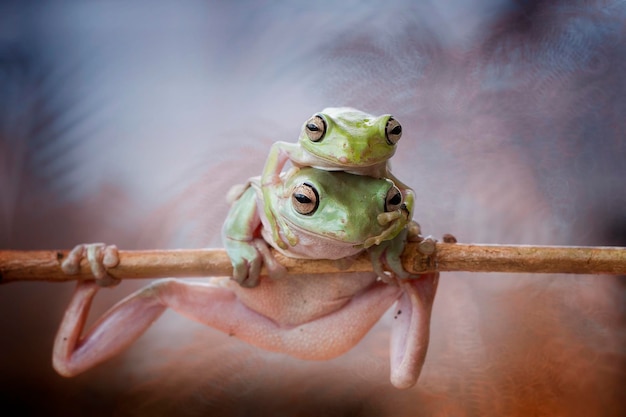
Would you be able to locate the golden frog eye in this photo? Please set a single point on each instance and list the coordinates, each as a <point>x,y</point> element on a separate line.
<point>305,199</point>
<point>315,128</point>
<point>393,200</point>
<point>393,131</point>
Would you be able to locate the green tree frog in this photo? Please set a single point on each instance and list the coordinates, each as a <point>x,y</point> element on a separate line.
<point>306,316</point>
<point>338,139</point>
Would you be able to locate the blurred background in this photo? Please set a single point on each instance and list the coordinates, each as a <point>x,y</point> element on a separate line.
<point>128,123</point>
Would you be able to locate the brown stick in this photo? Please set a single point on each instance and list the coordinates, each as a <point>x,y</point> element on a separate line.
<point>46,265</point>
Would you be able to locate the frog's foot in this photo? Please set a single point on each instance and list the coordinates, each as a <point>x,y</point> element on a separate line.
<point>101,257</point>
<point>274,268</point>
<point>427,245</point>
<point>386,260</point>
<point>414,231</point>
<point>247,260</point>
<point>390,216</point>
<point>397,221</point>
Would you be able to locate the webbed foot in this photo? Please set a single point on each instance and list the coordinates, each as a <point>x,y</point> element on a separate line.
<point>248,258</point>
<point>100,256</point>
<point>397,221</point>
<point>427,245</point>
<point>386,260</point>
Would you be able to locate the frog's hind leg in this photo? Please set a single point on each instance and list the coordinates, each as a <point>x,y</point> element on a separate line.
<point>411,329</point>
<point>117,329</point>
<point>219,307</point>
<point>126,321</point>
<point>322,338</point>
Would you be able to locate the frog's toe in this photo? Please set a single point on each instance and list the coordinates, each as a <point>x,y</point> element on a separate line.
<point>388,217</point>
<point>254,271</point>
<point>240,272</point>
<point>383,268</point>
<point>414,231</point>
<point>427,245</point>
<point>101,257</point>
<point>111,257</point>
<point>249,283</point>
<point>71,264</point>
<point>274,268</point>
<point>369,242</point>
<point>247,273</point>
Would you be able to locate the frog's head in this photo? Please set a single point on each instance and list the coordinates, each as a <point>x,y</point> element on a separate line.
<point>349,137</point>
<point>336,205</point>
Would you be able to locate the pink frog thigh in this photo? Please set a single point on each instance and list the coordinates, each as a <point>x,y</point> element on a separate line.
<point>218,307</point>
<point>323,338</point>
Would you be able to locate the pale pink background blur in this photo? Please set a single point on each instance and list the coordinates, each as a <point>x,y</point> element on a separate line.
<point>128,124</point>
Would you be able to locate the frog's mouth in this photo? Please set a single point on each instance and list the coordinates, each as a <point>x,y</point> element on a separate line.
<point>340,163</point>
<point>364,162</point>
<point>337,238</point>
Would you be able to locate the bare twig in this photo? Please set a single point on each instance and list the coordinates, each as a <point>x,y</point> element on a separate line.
<point>46,265</point>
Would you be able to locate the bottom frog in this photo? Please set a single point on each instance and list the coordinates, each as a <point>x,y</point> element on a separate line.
<point>306,316</point>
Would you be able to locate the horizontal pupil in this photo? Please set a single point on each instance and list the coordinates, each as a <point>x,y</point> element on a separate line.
<point>396,130</point>
<point>396,199</point>
<point>312,127</point>
<point>302,198</point>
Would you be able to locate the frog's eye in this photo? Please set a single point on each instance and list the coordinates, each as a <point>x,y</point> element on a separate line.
<point>315,128</point>
<point>393,131</point>
<point>305,199</point>
<point>393,200</point>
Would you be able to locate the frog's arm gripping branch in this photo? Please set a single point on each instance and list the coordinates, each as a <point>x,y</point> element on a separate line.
<point>46,265</point>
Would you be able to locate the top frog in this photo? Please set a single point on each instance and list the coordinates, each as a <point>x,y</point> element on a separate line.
<point>340,139</point>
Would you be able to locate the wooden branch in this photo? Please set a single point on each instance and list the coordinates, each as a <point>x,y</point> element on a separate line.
<point>46,265</point>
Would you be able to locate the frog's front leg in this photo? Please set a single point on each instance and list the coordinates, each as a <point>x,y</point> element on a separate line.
<point>397,221</point>
<point>280,153</point>
<point>247,251</point>
<point>397,214</point>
